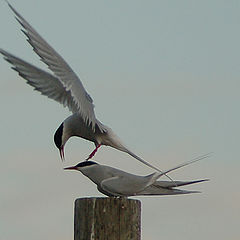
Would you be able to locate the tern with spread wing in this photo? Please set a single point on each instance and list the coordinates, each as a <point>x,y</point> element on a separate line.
<point>117,183</point>
<point>64,86</point>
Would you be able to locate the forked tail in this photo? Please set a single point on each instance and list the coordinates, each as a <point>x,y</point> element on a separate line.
<point>148,164</point>
<point>185,164</point>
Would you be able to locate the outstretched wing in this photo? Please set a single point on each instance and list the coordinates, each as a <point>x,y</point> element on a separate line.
<point>62,71</point>
<point>42,81</point>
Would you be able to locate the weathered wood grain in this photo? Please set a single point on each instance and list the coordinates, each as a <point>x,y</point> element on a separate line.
<point>107,219</point>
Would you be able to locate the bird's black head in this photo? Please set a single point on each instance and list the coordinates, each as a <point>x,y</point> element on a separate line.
<point>81,165</point>
<point>58,137</point>
<point>85,164</point>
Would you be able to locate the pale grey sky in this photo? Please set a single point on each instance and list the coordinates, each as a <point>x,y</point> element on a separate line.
<point>164,75</point>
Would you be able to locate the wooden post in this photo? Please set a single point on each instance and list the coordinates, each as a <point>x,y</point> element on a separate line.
<point>107,219</point>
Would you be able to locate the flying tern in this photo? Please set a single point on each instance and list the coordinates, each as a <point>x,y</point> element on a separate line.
<point>117,183</point>
<point>64,86</point>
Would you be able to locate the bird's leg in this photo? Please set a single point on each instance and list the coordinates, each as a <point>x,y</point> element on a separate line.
<point>94,151</point>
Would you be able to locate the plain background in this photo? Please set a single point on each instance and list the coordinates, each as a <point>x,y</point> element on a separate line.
<point>164,75</point>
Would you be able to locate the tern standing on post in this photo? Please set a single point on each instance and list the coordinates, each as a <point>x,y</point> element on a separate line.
<point>115,182</point>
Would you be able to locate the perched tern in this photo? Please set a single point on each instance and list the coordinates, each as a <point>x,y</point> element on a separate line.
<point>64,86</point>
<point>114,182</point>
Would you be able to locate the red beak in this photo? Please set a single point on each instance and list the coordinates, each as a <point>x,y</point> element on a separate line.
<point>61,150</point>
<point>70,168</point>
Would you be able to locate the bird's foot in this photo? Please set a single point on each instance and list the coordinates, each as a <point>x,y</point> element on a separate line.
<point>93,152</point>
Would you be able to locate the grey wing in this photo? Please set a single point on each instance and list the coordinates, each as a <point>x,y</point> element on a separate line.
<point>121,186</point>
<point>44,82</point>
<point>62,71</point>
<point>105,192</point>
<point>168,184</point>
<point>167,188</point>
<point>154,190</point>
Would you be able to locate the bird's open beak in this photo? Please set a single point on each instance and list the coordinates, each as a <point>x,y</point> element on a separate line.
<point>70,168</point>
<point>61,150</point>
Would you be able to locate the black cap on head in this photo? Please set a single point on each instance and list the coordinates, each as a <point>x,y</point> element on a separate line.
<point>58,136</point>
<point>85,164</point>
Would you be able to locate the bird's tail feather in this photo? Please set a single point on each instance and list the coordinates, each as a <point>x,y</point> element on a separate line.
<point>150,191</point>
<point>167,188</point>
<point>116,142</point>
<point>148,164</point>
<point>168,184</point>
<point>184,164</point>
